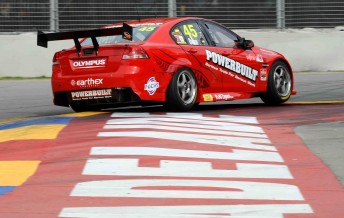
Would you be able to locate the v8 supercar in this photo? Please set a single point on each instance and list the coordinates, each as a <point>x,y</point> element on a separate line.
<point>179,62</point>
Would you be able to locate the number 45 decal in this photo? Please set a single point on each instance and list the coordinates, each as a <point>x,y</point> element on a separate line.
<point>190,30</point>
<point>147,29</point>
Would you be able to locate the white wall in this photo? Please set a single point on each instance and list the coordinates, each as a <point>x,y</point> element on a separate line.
<point>307,50</point>
<point>20,55</point>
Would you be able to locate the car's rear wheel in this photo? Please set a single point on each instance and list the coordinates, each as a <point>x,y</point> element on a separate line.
<point>182,91</point>
<point>279,84</point>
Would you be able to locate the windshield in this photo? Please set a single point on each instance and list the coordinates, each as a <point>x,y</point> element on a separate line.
<point>140,34</point>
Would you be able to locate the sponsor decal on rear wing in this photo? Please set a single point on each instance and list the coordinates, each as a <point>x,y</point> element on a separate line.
<point>126,31</point>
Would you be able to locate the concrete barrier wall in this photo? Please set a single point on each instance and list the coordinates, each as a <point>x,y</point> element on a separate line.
<point>307,50</point>
<point>20,55</point>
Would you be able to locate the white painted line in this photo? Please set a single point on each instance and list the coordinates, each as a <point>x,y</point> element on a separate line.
<point>238,142</point>
<point>130,167</point>
<point>236,154</point>
<point>193,211</point>
<point>184,122</point>
<point>186,129</point>
<point>184,188</point>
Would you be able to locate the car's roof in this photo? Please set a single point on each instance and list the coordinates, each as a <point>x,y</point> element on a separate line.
<point>153,21</point>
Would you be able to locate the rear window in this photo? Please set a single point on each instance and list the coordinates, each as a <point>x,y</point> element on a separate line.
<point>140,34</point>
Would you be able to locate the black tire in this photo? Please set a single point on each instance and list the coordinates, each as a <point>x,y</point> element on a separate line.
<point>182,91</point>
<point>279,84</point>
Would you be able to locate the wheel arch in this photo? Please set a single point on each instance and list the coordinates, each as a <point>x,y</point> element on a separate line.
<point>180,67</point>
<point>289,68</point>
<point>273,95</point>
<point>171,89</point>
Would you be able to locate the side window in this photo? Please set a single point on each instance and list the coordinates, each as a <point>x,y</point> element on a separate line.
<point>189,33</point>
<point>220,35</point>
<point>178,36</point>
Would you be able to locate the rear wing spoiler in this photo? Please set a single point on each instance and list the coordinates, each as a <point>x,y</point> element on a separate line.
<point>126,31</point>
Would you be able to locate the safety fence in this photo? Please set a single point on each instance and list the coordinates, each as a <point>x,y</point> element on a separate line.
<point>62,15</point>
<point>316,13</point>
<point>23,16</point>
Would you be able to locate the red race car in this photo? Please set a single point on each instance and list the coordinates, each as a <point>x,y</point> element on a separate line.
<point>179,62</point>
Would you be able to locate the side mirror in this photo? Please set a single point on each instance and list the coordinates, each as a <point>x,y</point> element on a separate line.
<point>244,44</point>
<point>249,44</point>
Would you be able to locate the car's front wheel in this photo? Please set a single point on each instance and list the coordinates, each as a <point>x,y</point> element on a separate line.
<point>182,91</point>
<point>279,84</point>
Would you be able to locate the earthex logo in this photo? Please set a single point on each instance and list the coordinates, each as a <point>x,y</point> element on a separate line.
<point>90,82</point>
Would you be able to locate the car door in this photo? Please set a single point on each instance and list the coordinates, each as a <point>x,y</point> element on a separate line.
<point>190,37</point>
<point>239,66</point>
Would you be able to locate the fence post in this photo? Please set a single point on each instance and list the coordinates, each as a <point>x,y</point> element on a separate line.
<point>172,8</point>
<point>54,16</point>
<point>280,12</point>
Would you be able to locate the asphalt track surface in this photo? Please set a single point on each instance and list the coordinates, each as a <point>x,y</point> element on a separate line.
<point>307,132</point>
<point>31,98</point>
